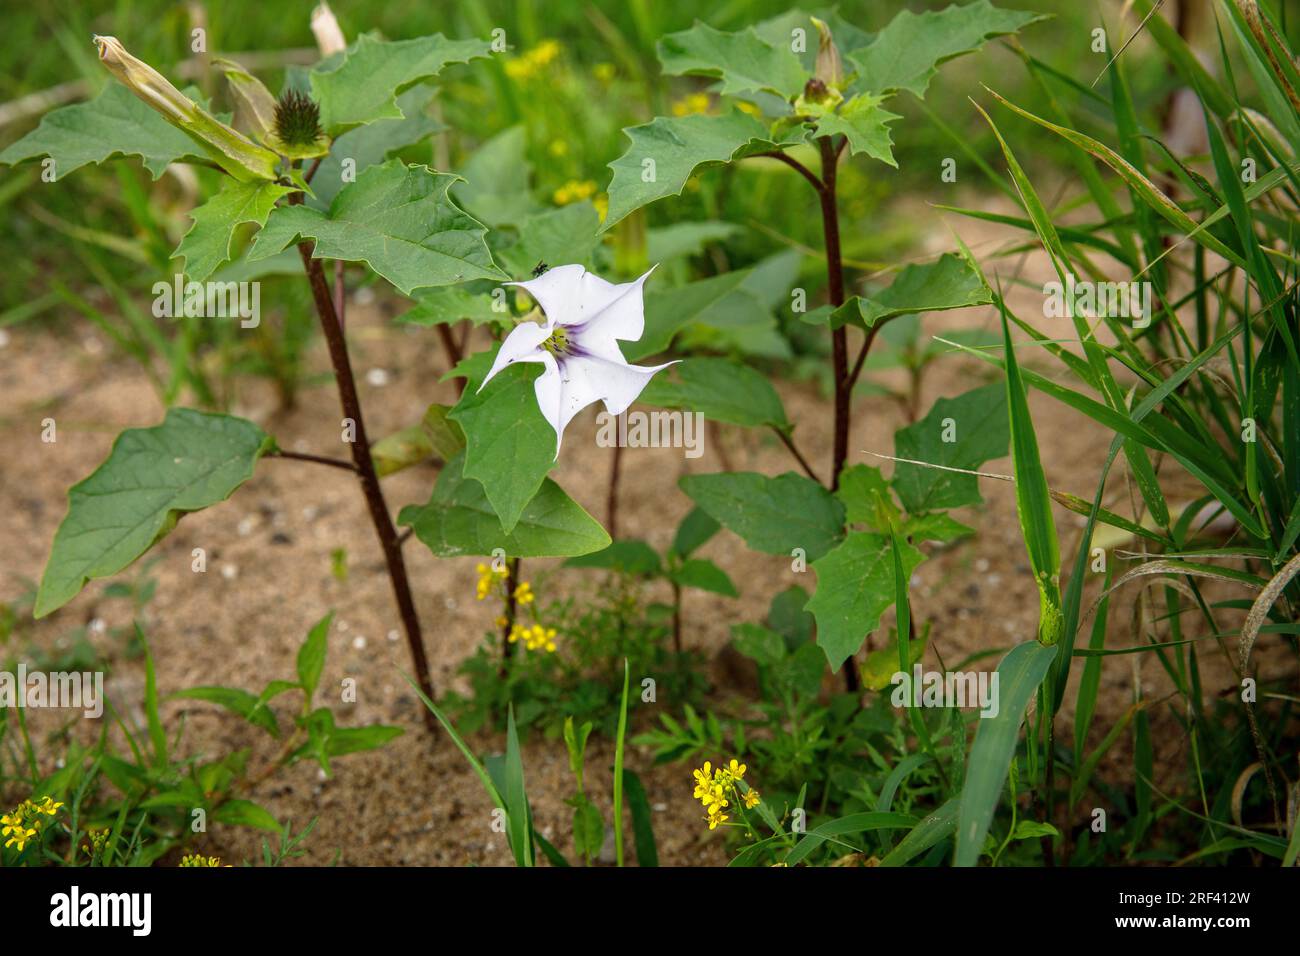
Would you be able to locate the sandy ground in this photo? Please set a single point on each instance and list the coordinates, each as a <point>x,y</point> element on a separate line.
<point>269,577</point>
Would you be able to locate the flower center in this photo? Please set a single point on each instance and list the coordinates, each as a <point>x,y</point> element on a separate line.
<point>558,343</point>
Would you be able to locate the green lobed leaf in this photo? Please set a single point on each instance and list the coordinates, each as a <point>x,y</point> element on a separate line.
<point>686,238</point>
<point>732,305</point>
<point>949,282</point>
<point>979,426</point>
<point>676,148</point>
<point>496,180</point>
<point>743,61</point>
<point>361,87</point>
<point>206,247</point>
<point>398,220</point>
<point>939,526</point>
<point>696,528</point>
<point>115,123</point>
<point>370,145</point>
<point>720,389</point>
<point>151,477</point>
<point>630,556</point>
<point>565,235</point>
<point>773,515</point>
<point>907,53</point>
<point>855,585</point>
<point>864,491</point>
<point>510,446</point>
<point>706,576</point>
<point>865,124</point>
<point>451,304</point>
<point>458,520</point>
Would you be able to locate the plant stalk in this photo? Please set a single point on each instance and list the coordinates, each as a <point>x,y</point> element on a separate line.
<point>366,475</point>
<point>839,337</point>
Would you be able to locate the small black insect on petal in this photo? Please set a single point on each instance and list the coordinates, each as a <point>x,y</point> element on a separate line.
<point>539,269</point>
<point>297,119</point>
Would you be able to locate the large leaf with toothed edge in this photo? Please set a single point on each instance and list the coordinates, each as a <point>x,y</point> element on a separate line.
<point>150,478</point>
<point>395,218</point>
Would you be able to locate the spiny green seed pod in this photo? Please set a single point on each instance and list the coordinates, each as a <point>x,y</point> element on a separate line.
<point>297,119</point>
<point>229,149</point>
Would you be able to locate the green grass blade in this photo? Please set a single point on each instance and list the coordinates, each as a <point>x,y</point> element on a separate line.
<point>1019,676</point>
<point>853,823</point>
<point>932,829</point>
<point>643,833</point>
<point>157,733</point>
<point>518,817</point>
<point>618,768</point>
<point>1033,500</point>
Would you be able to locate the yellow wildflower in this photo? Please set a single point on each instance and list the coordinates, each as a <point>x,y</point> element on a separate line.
<point>574,191</point>
<point>198,859</point>
<point>24,822</point>
<point>524,593</point>
<point>487,580</point>
<point>47,806</point>
<point>601,203</point>
<point>538,638</point>
<point>750,108</point>
<point>533,62</point>
<point>717,788</point>
<point>691,103</point>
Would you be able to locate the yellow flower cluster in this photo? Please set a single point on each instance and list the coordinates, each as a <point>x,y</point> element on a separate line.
<point>691,103</point>
<point>487,580</point>
<point>574,191</point>
<point>535,638</point>
<point>198,859</point>
<point>524,593</point>
<point>717,788</point>
<point>533,62</point>
<point>26,821</point>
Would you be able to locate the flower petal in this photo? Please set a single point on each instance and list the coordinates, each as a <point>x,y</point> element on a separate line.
<point>572,296</point>
<point>581,380</point>
<point>523,344</point>
<point>622,317</point>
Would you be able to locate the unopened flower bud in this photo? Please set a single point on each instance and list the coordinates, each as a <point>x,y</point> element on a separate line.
<point>231,150</point>
<point>828,69</point>
<point>329,36</point>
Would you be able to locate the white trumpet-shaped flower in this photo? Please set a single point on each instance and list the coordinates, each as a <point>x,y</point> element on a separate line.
<point>586,317</point>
